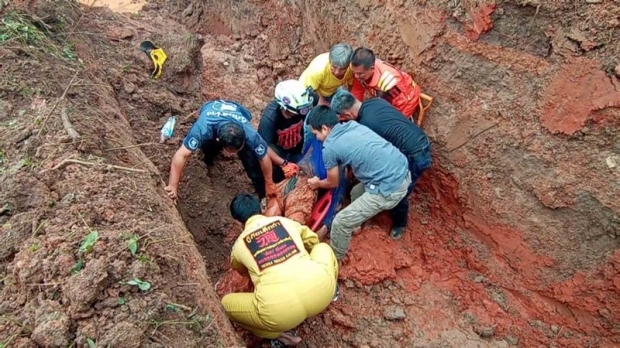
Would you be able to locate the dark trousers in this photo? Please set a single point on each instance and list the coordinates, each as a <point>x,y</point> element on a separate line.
<point>418,163</point>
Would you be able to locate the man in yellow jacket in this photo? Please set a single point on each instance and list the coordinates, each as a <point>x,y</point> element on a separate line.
<point>295,277</point>
<point>328,71</point>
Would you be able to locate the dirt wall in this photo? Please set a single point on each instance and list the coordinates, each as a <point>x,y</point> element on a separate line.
<point>92,250</point>
<point>513,233</point>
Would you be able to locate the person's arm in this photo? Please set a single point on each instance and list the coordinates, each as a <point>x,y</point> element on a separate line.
<point>332,180</point>
<point>267,124</point>
<point>236,264</point>
<point>308,236</point>
<point>261,151</point>
<point>311,77</point>
<point>275,158</point>
<point>333,172</point>
<point>191,143</point>
<point>387,81</point>
<point>267,169</point>
<point>176,169</point>
<point>323,101</point>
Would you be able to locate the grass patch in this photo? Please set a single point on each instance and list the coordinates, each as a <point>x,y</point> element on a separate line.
<point>17,28</point>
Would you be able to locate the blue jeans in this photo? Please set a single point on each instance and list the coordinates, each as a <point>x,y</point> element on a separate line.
<point>418,163</point>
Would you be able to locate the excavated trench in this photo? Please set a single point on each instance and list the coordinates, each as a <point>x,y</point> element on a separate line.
<point>513,234</point>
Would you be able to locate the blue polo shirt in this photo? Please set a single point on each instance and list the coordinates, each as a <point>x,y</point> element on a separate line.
<point>215,114</point>
<point>379,165</point>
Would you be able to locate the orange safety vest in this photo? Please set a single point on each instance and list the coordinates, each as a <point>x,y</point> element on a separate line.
<point>392,84</point>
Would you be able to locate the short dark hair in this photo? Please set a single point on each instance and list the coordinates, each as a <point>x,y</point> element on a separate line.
<point>232,136</point>
<point>342,100</point>
<point>363,56</point>
<point>244,206</point>
<point>322,116</point>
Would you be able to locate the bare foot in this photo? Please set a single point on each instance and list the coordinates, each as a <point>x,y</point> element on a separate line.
<point>289,340</point>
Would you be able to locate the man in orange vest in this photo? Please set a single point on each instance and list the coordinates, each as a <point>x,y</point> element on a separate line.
<point>381,79</point>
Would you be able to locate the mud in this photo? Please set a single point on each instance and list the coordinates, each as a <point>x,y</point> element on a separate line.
<point>513,235</point>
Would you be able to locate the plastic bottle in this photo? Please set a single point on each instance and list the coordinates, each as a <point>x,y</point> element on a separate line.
<point>168,129</point>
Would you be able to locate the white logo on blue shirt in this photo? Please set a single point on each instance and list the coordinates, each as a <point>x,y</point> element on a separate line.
<point>193,143</point>
<point>260,150</point>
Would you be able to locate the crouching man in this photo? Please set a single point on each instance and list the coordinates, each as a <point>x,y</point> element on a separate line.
<point>294,276</point>
<point>381,168</point>
<point>385,120</point>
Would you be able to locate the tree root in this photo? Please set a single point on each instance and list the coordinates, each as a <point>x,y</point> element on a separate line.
<point>64,93</point>
<point>84,163</point>
<point>68,126</point>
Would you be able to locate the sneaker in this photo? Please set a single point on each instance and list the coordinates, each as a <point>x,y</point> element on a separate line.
<point>263,204</point>
<point>397,233</point>
<point>277,344</point>
<point>337,295</point>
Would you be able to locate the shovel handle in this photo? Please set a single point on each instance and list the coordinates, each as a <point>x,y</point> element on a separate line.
<point>423,108</point>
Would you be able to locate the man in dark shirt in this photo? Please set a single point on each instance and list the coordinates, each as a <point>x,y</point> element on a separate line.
<point>384,119</point>
<point>224,125</point>
<point>282,126</point>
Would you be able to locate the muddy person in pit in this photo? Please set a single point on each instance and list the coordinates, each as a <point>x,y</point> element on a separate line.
<point>381,168</point>
<point>385,120</point>
<point>273,250</point>
<point>281,126</point>
<point>328,71</point>
<point>380,79</point>
<point>224,125</point>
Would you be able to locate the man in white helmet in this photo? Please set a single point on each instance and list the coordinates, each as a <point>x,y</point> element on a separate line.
<point>282,126</point>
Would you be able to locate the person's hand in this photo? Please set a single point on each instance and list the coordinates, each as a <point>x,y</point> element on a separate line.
<point>271,189</point>
<point>273,208</point>
<point>350,175</point>
<point>314,182</point>
<point>290,169</point>
<point>273,197</point>
<point>172,192</point>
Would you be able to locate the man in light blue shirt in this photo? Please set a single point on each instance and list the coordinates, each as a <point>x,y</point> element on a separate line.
<point>381,168</point>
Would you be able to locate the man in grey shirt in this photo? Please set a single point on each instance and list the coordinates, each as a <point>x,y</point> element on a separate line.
<point>381,168</point>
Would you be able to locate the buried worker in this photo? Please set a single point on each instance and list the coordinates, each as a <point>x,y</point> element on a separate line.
<point>381,168</point>
<point>385,120</point>
<point>294,276</point>
<point>225,125</point>
<point>281,126</point>
<point>380,79</point>
<point>328,71</point>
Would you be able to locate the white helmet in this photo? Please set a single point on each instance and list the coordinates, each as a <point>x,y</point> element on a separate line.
<point>293,96</point>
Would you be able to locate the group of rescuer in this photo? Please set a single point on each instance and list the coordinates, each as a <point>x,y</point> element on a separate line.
<point>362,110</point>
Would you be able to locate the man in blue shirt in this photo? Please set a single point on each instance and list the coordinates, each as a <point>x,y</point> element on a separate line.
<point>224,125</point>
<point>381,168</point>
<point>387,121</point>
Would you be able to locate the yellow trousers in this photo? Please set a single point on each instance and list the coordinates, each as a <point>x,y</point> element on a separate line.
<point>284,299</point>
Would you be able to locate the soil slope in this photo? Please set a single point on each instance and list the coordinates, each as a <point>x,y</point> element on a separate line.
<point>513,238</point>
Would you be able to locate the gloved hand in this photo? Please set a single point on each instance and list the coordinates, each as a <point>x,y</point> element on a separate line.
<point>290,169</point>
